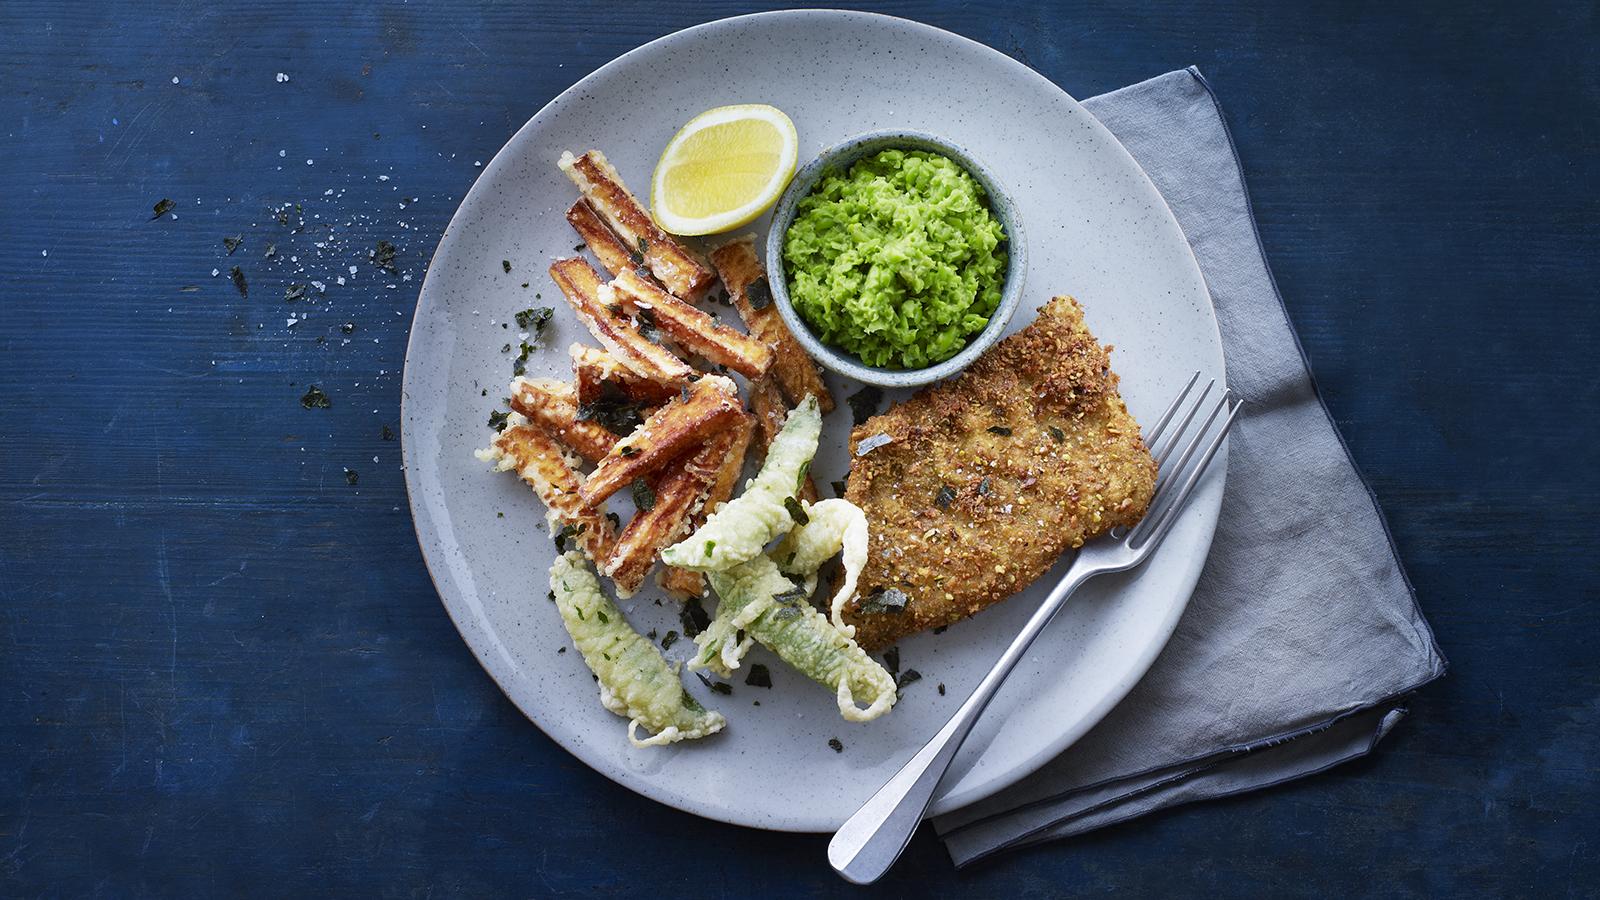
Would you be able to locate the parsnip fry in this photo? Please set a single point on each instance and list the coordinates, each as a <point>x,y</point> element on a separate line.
<point>546,466</point>
<point>693,330</point>
<point>667,260</point>
<point>707,405</point>
<point>677,497</point>
<point>793,369</point>
<point>553,405</point>
<point>607,247</point>
<point>582,286</point>
<point>594,368</point>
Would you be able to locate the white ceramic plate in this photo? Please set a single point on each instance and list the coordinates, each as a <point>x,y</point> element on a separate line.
<point>1098,230</point>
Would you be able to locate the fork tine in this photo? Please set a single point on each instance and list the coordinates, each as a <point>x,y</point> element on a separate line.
<point>1161,424</point>
<point>1161,452</point>
<point>1170,474</point>
<point>1169,515</point>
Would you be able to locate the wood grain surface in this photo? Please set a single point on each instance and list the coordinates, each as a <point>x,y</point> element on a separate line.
<point>223,668</point>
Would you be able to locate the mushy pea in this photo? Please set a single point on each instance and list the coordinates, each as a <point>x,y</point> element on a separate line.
<point>897,260</point>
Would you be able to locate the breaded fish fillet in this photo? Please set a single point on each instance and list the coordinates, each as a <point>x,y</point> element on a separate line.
<point>974,487</point>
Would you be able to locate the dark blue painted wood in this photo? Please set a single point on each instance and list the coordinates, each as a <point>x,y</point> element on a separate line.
<point>224,669</point>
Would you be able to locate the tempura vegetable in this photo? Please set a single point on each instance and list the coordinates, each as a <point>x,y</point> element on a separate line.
<point>757,600</point>
<point>831,526</point>
<point>635,680</point>
<point>738,531</point>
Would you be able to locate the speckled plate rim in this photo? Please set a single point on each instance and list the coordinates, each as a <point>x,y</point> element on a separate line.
<point>465,611</point>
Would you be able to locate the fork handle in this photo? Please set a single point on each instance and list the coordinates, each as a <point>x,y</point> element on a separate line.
<point>870,841</point>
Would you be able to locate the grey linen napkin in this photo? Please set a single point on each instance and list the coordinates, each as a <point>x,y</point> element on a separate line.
<point>1303,636</point>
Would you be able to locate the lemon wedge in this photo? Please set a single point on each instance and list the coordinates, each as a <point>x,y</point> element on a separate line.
<point>723,169</point>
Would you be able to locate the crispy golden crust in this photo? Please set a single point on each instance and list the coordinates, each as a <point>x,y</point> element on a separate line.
<point>1020,497</point>
<point>593,368</point>
<point>543,463</point>
<point>710,403</point>
<point>585,292</point>
<point>793,369</point>
<point>607,248</point>
<point>677,268</point>
<point>553,406</point>
<point>692,329</point>
<point>682,582</point>
<point>679,493</point>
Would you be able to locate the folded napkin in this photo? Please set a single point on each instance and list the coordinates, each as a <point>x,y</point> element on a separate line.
<point>1303,636</point>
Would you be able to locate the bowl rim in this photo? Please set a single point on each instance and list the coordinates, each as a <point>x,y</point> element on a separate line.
<point>845,153</point>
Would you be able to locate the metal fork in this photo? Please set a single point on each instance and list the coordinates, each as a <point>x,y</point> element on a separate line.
<point>864,848</point>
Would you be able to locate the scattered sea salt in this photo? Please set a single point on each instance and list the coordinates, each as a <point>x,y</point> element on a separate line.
<point>282,78</point>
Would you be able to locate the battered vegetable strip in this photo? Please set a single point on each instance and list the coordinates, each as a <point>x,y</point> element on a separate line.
<point>541,461</point>
<point>830,527</point>
<point>635,680</point>
<point>672,503</point>
<point>666,259</point>
<point>581,284</point>
<point>692,329</point>
<point>595,368</point>
<point>682,582</point>
<point>611,252</point>
<point>755,598</point>
<point>737,532</point>
<point>688,420</point>
<point>795,372</point>
<point>553,406</point>
<point>770,413</point>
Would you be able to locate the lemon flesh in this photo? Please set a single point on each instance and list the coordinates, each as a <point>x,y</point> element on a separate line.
<point>723,169</point>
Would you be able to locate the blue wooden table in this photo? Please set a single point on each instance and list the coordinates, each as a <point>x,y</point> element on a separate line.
<point>223,668</point>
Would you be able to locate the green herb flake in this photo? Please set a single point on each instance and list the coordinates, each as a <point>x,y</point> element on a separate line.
<point>383,256</point>
<point>350,476</point>
<point>643,497</point>
<point>908,677</point>
<point>885,600</point>
<point>693,617</point>
<point>236,274</point>
<point>348,328</point>
<point>627,451</point>
<point>839,487</point>
<point>534,319</point>
<point>604,619</point>
<point>941,689</point>
<point>722,687</point>
<point>568,530</point>
<point>506,264</point>
<point>759,676</point>
<point>614,519</point>
<point>796,511</point>
<point>644,245</point>
<point>646,324</point>
<point>758,293</point>
<point>945,497</point>
<point>864,404</point>
<point>497,419</point>
<point>891,660</point>
<point>836,744</point>
<point>314,398</point>
<point>985,486</point>
<point>294,292</point>
<point>1056,433</point>
<point>1001,430</point>
<point>612,410</point>
<point>233,243</point>
<point>162,207</point>
<point>668,640</point>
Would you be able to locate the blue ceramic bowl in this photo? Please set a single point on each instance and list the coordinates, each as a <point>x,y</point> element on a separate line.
<point>840,157</point>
